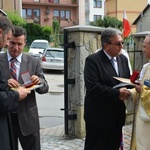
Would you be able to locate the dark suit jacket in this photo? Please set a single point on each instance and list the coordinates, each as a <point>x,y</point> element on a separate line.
<point>102,105</point>
<point>27,111</point>
<point>9,101</point>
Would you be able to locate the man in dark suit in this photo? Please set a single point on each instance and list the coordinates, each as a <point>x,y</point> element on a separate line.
<point>9,99</point>
<point>26,119</point>
<point>104,112</point>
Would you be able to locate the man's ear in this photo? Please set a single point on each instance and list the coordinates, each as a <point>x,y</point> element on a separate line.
<point>106,45</point>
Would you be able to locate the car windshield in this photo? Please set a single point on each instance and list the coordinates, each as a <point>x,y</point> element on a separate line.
<point>55,54</point>
<point>39,45</point>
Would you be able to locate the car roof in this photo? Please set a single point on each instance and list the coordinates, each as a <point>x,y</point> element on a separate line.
<point>40,41</point>
<point>54,48</point>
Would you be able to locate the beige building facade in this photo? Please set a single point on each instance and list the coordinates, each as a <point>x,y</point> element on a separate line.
<point>115,8</point>
<point>11,5</point>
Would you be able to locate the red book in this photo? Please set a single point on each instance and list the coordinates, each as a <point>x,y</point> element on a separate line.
<point>134,76</point>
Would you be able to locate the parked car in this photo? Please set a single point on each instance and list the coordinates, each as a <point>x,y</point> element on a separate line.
<point>53,59</point>
<point>2,50</point>
<point>37,47</point>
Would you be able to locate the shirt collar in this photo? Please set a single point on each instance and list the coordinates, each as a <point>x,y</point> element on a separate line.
<point>18,58</point>
<point>109,57</point>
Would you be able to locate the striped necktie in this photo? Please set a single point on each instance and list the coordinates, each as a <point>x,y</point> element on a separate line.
<point>13,69</point>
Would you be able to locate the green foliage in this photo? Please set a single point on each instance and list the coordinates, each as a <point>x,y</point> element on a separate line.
<point>16,19</point>
<point>108,21</point>
<point>56,26</point>
<point>26,49</point>
<point>46,32</point>
<point>56,32</point>
<point>35,31</point>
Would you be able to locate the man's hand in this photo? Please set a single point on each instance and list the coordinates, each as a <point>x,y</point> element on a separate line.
<point>138,88</point>
<point>13,83</point>
<point>23,92</point>
<point>35,79</point>
<point>124,94</point>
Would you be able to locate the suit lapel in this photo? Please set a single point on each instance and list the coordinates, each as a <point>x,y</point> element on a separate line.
<point>108,65</point>
<point>120,66</point>
<point>23,67</point>
<point>5,64</point>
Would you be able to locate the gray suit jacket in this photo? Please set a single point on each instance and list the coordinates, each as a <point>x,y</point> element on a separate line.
<point>27,111</point>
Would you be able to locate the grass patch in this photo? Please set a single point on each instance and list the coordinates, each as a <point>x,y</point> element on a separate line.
<point>26,49</point>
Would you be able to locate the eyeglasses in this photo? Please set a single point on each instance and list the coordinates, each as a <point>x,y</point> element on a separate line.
<point>117,43</point>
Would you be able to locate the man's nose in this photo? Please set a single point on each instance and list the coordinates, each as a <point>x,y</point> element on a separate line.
<point>16,46</point>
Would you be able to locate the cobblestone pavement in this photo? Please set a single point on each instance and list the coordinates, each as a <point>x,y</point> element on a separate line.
<point>54,139</point>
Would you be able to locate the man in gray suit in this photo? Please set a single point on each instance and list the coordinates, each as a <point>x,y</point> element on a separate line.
<point>25,120</point>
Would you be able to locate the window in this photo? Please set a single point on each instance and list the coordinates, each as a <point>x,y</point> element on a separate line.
<point>56,1</point>
<point>97,3</point>
<point>36,0</point>
<point>31,14</point>
<point>68,14</point>
<point>36,13</point>
<point>62,14</point>
<point>56,13</point>
<point>24,13</point>
<point>96,17</point>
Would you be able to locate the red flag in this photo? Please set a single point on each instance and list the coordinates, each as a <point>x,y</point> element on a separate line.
<point>126,25</point>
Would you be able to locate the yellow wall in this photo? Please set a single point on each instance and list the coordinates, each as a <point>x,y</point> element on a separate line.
<point>8,5</point>
<point>115,8</point>
<point>11,5</point>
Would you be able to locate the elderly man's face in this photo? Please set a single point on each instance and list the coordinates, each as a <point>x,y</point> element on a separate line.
<point>146,47</point>
<point>114,48</point>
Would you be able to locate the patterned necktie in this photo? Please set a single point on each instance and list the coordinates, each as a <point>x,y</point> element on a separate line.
<point>13,69</point>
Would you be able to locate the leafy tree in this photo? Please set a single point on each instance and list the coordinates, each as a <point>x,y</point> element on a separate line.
<point>16,19</point>
<point>56,32</point>
<point>47,31</point>
<point>108,21</point>
<point>33,29</point>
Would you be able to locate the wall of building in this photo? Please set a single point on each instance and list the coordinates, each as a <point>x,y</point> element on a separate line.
<point>143,23</point>
<point>133,8</point>
<point>12,5</point>
<point>63,5</point>
<point>81,12</point>
<point>95,11</point>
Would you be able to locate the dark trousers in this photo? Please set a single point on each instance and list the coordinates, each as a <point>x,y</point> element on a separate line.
<point>29,142</point>
<point>102,138</point>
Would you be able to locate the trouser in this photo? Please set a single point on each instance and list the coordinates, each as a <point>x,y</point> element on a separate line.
<point>102,138</point>
<point>29,142</point>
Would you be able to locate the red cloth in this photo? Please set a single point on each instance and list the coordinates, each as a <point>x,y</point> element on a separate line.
<point>126,26</point>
